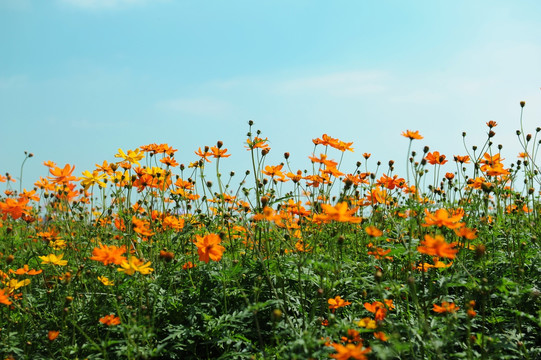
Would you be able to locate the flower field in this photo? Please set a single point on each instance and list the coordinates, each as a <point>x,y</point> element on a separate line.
<point>146,257</point>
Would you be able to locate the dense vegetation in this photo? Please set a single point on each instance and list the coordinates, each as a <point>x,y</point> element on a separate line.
<point>147,258</point>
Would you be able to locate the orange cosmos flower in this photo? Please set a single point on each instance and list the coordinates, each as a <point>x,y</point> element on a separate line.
<point>109,254</point>
<point>274,171</point>
<point>323,160</point>
<point>4,298</point>
<point>219,153</point>
<point>188,265</point>
<point>466,233</point>
<point>350,351</point>
<point>209,248</point>
<point>62,176</point>
<point>337,303</point>
<point>380,335</point>
<point>492,124</point>
<point>25,270</point>
<point>379,309</point>
<point>443,218</point>
<point>257,143</point>
<point>445,307</point>
<point>412,135</point>
<point>462,159</point>
<point>339,212</point>
<point>492,165</point>
<point>434,158</point>
<point>169,161</point>
<point>110,320</point>
<point>437,246</point>
<point>373,231</point>
<point>353,336</point>
<point>203,154</point>
<point>15,208</point>
<point>53,334</point>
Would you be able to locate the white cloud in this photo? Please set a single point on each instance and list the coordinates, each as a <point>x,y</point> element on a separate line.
<point>201,106</point>
<point>104,4</point>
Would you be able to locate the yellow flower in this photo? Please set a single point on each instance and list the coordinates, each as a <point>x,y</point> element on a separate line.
<point>105,281</point>
<point>90,179</point>
<point>13,284</point>
<point>132,157</point>
<point>57,244</point>
<point>53,259</point>
<point>135,265</point>
<point>367,323</point>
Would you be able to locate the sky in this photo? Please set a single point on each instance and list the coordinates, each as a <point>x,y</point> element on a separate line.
<point>80,79</point>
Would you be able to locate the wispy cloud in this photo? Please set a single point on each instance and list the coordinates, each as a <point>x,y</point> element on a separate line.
<point>105,4</point>
<point>200,106</point>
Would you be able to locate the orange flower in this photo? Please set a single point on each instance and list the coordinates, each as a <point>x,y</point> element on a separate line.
<point>62,176</point>
<point>257,143</point>
<point>339,212</point>
<point>379,309</point>
<point>109,254</point>
<point>443,218</point>
<point>219,153</point>
<point>434,158</point>
<point>350,351</point>
<point>337,303</point>
<point>53,334</point>
<point>436,246</point>
<point>466,233</point>
<point>412,135</point>
<point>169,161</point>
<point>209,248</point>
<point>110,320</point>
<point>391,182</point>
<point>188,265</point>
<point>381,336</point>
<point>15,208</point>
<point>274,171</point>
<point>353,336</point>
<point>492,124</point>
<point>462,159</point>
<point>445,307</point>
<point>492,165</point>
<point>4,298</point>
<point>25,270</point>
<point>471,313</point>
<point>373,231</point>
<point>203,154</point>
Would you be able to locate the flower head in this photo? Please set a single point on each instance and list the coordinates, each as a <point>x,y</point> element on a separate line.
<point>53,260</point>
<point>412,135</point>
<point>209,248</point>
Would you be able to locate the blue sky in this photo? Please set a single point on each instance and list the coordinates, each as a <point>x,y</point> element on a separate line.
<point>81,78</point>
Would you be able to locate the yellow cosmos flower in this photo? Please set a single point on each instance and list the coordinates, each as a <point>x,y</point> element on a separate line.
<point>53,259</point>
<point>105,281</point>
<point>90,179</point>
<point>135,265</point>
<point>13,284</point>
<point>132,157</point>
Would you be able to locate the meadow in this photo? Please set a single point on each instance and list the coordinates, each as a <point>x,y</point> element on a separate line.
<point>146,257</point>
